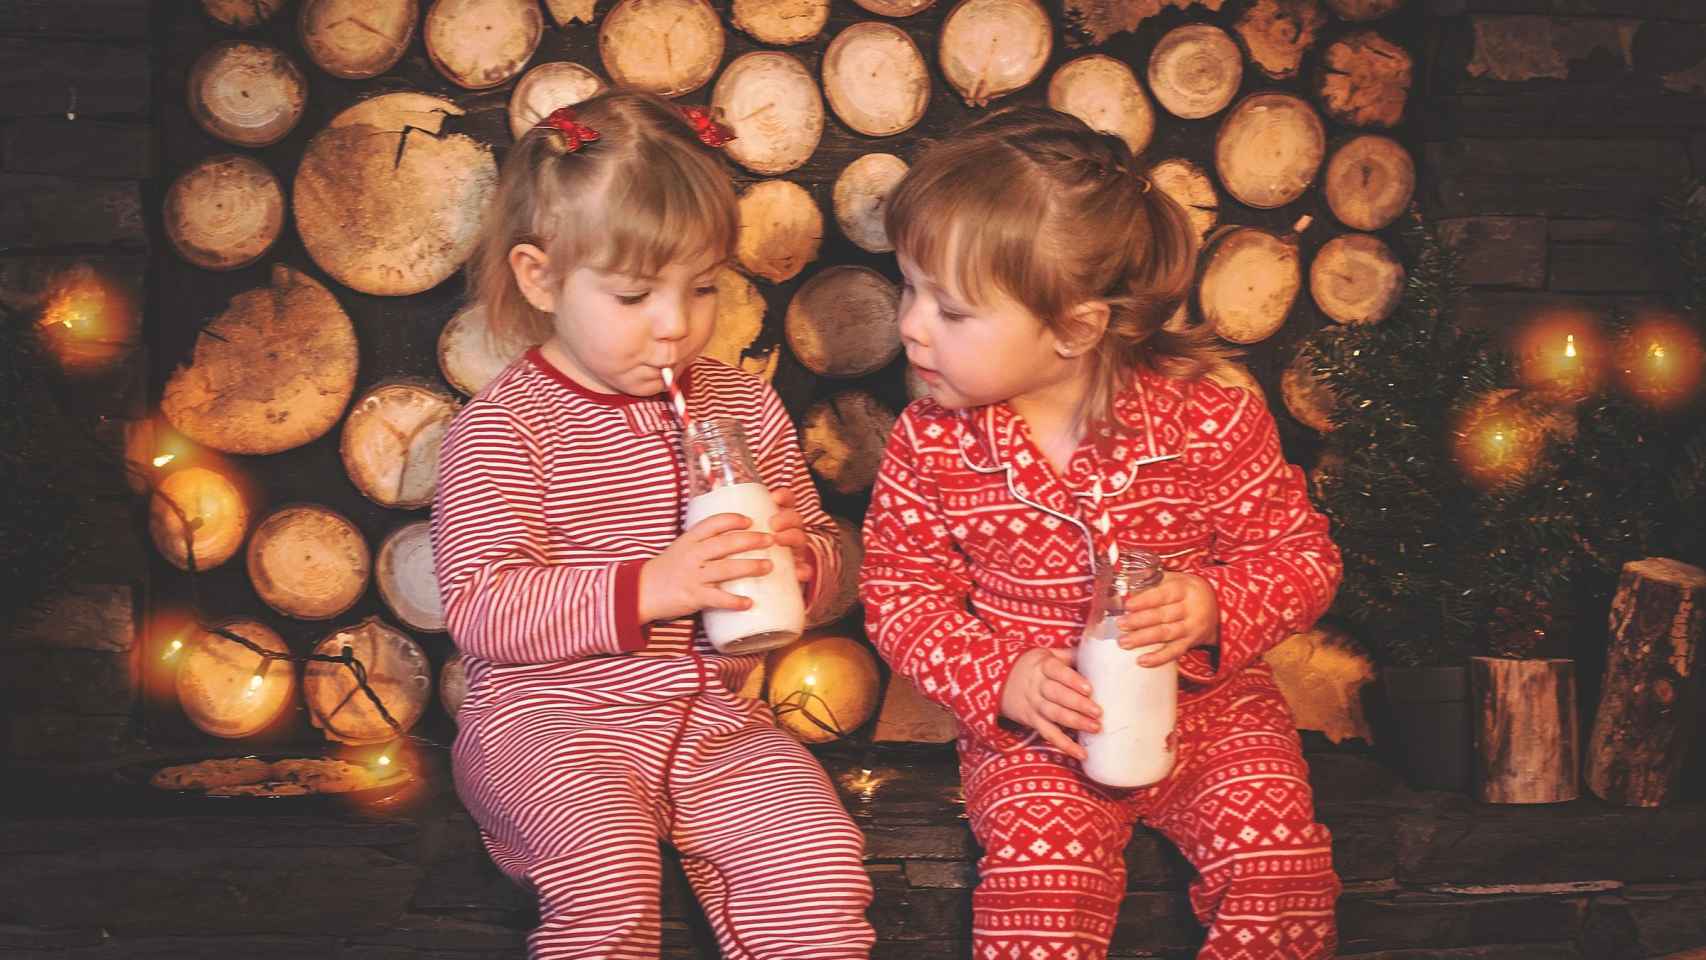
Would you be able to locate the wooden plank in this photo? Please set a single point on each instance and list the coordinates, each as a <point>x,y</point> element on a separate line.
<point>1498,251</point>
<point>115,19</point>
<point>1552,176</point>
<point>44,212</point>
<point>54,77</point>
<point>86,148</point>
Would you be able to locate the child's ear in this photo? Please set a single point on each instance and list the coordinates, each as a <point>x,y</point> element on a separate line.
<point>1082,328</point>
<point>532,269</point>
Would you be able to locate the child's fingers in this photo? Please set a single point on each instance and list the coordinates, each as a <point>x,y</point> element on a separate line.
<point>1153,636</point>
<point>1059,738</point>
<point>1167,654</point>
<point>789,536</point>
<point>1056,692</point>
<point>722,571</point>
<point>731,543</point>
<point>1168,591</point>
<point>1057,667</point>
<point>1153,616</point>
<point>1067,718</point>
<point>710,598</point>
<point>715,525</point>
<point>784,497</point>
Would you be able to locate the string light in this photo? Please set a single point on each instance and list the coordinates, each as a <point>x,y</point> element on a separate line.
<point>173,648</point>
<point>1660,361</point>
<point>164,459</point>
<point>1499,440</point>
<point>1560,354</point>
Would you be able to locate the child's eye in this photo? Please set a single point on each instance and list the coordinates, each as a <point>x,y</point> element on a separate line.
<point>950,317</point>
<point>630,299</point>
<point>706,290</point>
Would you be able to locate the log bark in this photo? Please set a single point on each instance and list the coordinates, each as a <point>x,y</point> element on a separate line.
<point>309,562</point>
<point>1269,149</point>
<point>771,102</point>
<point>249,94</point>
<point>273,372</point>
<point>544,89</point>
<point>397,112</point>
<point>991,48</point>
<point>1277,33</point>
<point>669,47</point>
<point>1369,182</point>
<point>780,22</point>
<point>203,501</point>
<point>823,686</point>
<point>843,322</point>
<point>740,323</point>
<point>406,580</point>
<point>895,8</point>
<point>1191,188</point>
<point>840,598</point>
<point>357,39</point>
<point>391,439</point>
<point>1365,80</point>
<point>1249,284</point>
<point>565,12</point>
<point>1358,11</point>
<point>397,671</point>
<point>1356,279</point>
<point>1105,94</point>
<point>392,212</point>
<point>861,198</point>
<point>875,79</point>
<point>1649,710</point>
<point>1195,71</point>
<point>470,354</point>
<point>480,44</point>
<point>216,686</point>
<point>1309,400</point>
<point>224,212</point>
<point>1526,730</point>
<point>843,439</point>
<point>781,229</point>
<point>241,14</point>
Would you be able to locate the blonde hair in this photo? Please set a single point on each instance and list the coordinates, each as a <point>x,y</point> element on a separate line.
<point>1034,204</point>
<point>645,194</point>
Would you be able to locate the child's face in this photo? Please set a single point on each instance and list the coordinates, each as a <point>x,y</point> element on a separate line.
<point>974,354</point>
<point>613,332</point>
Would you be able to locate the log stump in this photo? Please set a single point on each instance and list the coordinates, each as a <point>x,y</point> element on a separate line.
<point>740,324</point>
<point>1277,33</point>
<point>224,212</point>
<point>406,578</point>
<point>669,47</point>
<point>1649,710</point>
<point>271,373</point>
<point>780,22</point>
<point>227,690</point>
<point>1356,279</point>
<point>1105,94</point>
<point>391,208</point>
<point>1190,187</point>
<point>249,94</point>
<point>895,8</point>
<point>544,89</point>
<point>1195,71</point>
<point>1309,400</point>
<point>1269,149</point>
<point>397,671</point>
<point>1369,182</point>
<point>781,229</point>
<point>772,103</point>
<point>1358,11</point>
<point>875,79</point>
<point>844,322</point>
<point>1365,80</point>
<point>309,562</point>
<point>843,439</point>
<point>1526,736</point>
<point>470,354</point>
<point>480,44</point>
<point>861,199</point>
<point>357,39</point>
<point>565,12</point>
<point>241,14</point>
<point>991,48</point>
<point>200,508</point>
<point>1249,284</point>
<point>823,686</point>
<point>391,439</point>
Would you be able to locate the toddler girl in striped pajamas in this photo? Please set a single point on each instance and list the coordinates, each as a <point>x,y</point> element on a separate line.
<point>1066,421</point>
<point>598,721</point>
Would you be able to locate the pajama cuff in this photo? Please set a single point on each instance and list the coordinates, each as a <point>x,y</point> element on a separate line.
<point>631,634</point>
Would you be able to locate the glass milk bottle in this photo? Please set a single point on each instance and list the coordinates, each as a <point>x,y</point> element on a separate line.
<point>1139,704</point>
<point>722,478</point>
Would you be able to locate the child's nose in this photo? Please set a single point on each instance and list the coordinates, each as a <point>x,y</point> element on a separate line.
<point>911,324</point>
<point>670,323</point>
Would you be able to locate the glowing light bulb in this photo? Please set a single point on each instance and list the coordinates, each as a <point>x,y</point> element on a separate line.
<point>164,459</point>
<point>810,680</point>
<point>172,649</point>
<point>1656,351</point>
<point>1569,345</point>
<point>255,682</point>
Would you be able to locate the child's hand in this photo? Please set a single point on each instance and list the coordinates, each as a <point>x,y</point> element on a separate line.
<point>789,529</point>
<point>1044,693</point>
<point>1179,613</point>
<point>683,579</point>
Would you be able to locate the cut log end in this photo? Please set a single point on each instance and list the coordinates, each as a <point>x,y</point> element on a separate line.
<point>391,440</point>
<point>249,94</point>
<point>780,22</point>
<point>781,229</point>
<point>357,39</point>
<point>1250,283</point>
<point>241,14</point>
<point>1277,33</point>
<point>1195,71</point>
<point>544,89</point>
<point>843,439</point>
<point>740,320</point>
<point>1356,279</point>
<point>1269,149</point>
<point>480,44</point>
<point>875,79</point>
<point>397,670</point>
<point>406,579</point>
<point>309,562</point>
<point>200,509</point>
<point>470,353</point>
<point>895,8</point>
<point>216,681</point>
<point>1105,94</point>
<point>771,102</point>
<point>1370,181</point>
<point>224,212</point>
<point>1190,187</point>
<point>843,322</point>
<point>824,686</point>
<point>1365,81</point>
<point>861,198</point>
<point>669,47</point>
<point>1309,400</point>
<point>837,600</point>
<point>991,48</point>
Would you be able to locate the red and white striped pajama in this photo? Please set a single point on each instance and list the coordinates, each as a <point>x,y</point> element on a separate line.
<point>977,550</point>
<point>587,738</point>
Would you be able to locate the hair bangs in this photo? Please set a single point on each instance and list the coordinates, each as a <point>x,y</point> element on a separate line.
<point>683,213</point>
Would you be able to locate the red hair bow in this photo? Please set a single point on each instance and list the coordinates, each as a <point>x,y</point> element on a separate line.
<point>575,133</point>
<point>711,133</point>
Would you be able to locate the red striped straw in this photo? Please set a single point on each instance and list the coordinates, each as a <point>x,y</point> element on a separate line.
<point>675,396</point>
